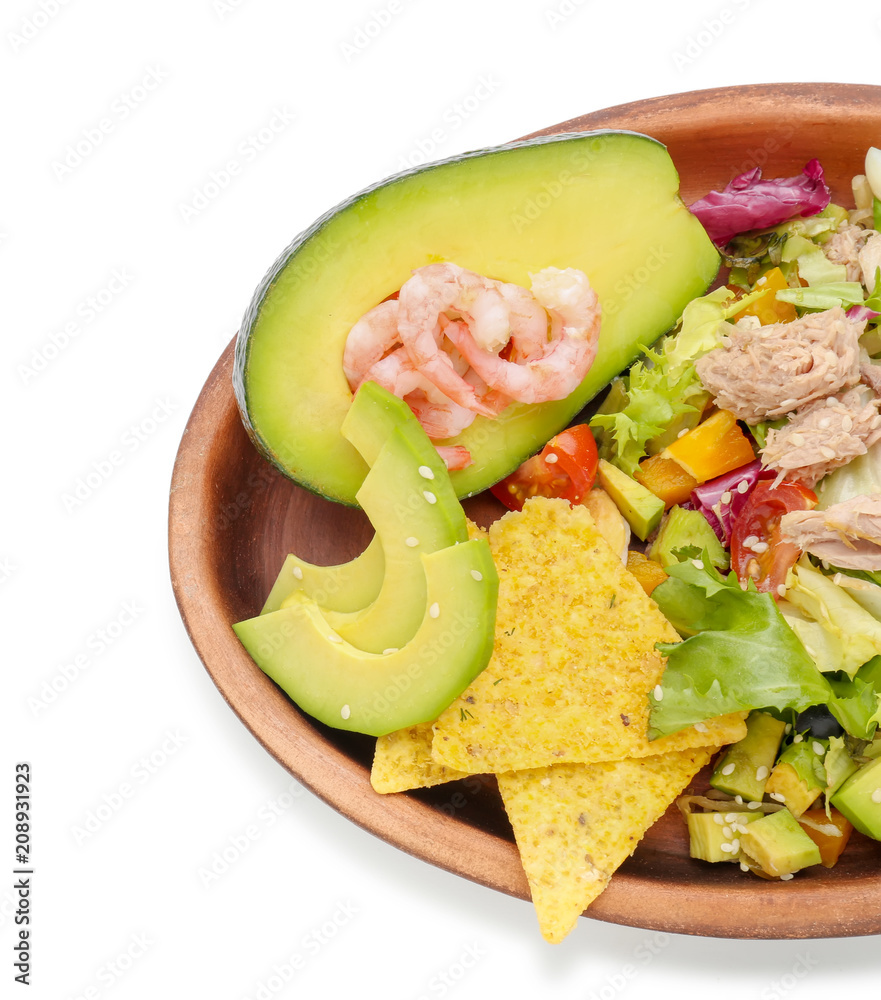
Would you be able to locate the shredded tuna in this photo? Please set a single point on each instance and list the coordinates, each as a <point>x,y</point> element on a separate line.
<point>847,535</point>
<point>870,375</point>
<point>761,374</point>
<point>844,248</point>
<point>823,436</point>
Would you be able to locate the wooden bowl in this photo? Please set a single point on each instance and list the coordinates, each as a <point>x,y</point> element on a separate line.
<point>232,518</point>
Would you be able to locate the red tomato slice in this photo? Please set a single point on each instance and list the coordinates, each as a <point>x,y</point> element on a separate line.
<point>766,559</point>
<point>566,467</point>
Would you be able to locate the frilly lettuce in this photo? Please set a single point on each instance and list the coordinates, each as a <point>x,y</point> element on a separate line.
<point>741,654</point>
<point>666,386</point>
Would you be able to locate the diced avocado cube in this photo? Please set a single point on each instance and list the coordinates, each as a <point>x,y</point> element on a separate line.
<point>687,528</point>
<point>642,509</point>
<point>859,799</point>
<point>714,836</point>
<point>745,768</point>
<point>779,844</point>
<point>798,777</point>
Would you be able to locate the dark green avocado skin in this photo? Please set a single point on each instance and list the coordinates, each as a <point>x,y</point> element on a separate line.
<point>604,202</point>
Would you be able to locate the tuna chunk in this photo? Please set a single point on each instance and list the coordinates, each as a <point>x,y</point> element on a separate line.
<point>823,436</point>
<point>847,535</point>
<point>844,248</point>
<point>870,260</point>
<point>760,374</point>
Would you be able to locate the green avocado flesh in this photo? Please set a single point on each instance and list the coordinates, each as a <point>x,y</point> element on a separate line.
<point>372,693</point>
<point>348,586</point>
<point>606,203</point>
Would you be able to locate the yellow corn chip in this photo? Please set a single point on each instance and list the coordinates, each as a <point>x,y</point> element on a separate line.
<point>575,824</point>
<point>574,658</point>
<point>403,760</point>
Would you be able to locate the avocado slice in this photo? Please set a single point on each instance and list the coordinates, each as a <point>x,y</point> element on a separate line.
<point>347,586</point>
<point>641,508</point>
<point>745,768</point>
<point>348,688</point>
<point>779,845</point>
<point>683,529</point>
<point>798,777</point>
<point>859,799</point>
<point>604,202</point>
<point>714,836</point>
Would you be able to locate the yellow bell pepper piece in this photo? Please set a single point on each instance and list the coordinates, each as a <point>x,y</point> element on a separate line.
<point>713,448</point>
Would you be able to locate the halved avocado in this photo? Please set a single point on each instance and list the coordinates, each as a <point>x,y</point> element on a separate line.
<point>604,202</point>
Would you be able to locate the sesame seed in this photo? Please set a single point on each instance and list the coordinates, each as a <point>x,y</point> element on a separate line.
<point>682,433</point>
<point>727,848</point>
<point>788,727</point>
<point>717,818</point>
<point>700,727</point>
<point>761,281</point>
<point>818,748</point>
<point>391,649</point>
<point>831,401</point>
<point>847,423</point>
<point>744,867</point>
<point>735,845</point>
<point>345,711</point>
<point>425,472</point>
<point>552,458</point>
<point>298,573</point>
<point>727,832</point>
<point>777,797</point>
<point>796,439</point>
<point>876,796</point>
<point>787,403</point>
<point>762,773</point>
<point>730,817</point>
<point>738,799</point>
<point>697,563</point>
<point>786,878</point>
<point>751,805</point>
<point>742,486</point>
<point>411,541</point>
<point>760,547</point>
<point>826,451</point>
<point>728,769</point>
<point>434,610</point>
<point>750,541</point>
<point>429,496</point>
<point>781,592</point>
<point>726,497</point>
<point>334,637</point>
<point>797,738</point>
<point>658,692</point>
<point>825,423</point>
<point>476,574</point>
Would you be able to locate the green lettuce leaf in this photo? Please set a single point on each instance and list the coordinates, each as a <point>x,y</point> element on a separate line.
<point>857,702</point>
<point>740,654</point>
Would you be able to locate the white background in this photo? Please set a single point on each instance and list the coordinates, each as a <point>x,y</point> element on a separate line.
<point>121,910</point>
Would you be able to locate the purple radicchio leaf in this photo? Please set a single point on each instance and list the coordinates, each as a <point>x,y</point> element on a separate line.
<point>748,202</point>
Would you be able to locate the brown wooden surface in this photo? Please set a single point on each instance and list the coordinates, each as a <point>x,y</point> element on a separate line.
<point>232,519</point>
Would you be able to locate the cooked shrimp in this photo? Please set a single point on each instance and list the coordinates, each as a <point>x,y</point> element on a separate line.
<point>373,336</point>
<point>449,290</point>
<point>575,317</point>
<point>454,456</point>
<point>528,322</point>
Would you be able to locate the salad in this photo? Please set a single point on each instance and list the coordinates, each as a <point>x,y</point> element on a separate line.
<point>755,428</point>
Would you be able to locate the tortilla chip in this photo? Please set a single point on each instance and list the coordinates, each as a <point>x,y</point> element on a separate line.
<point>403,761</point>
<point>575,824</point>
<point>574,658</point>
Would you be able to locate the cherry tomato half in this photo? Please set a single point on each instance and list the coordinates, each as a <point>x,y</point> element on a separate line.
<point>566,467</point>
<point>757,553</point>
